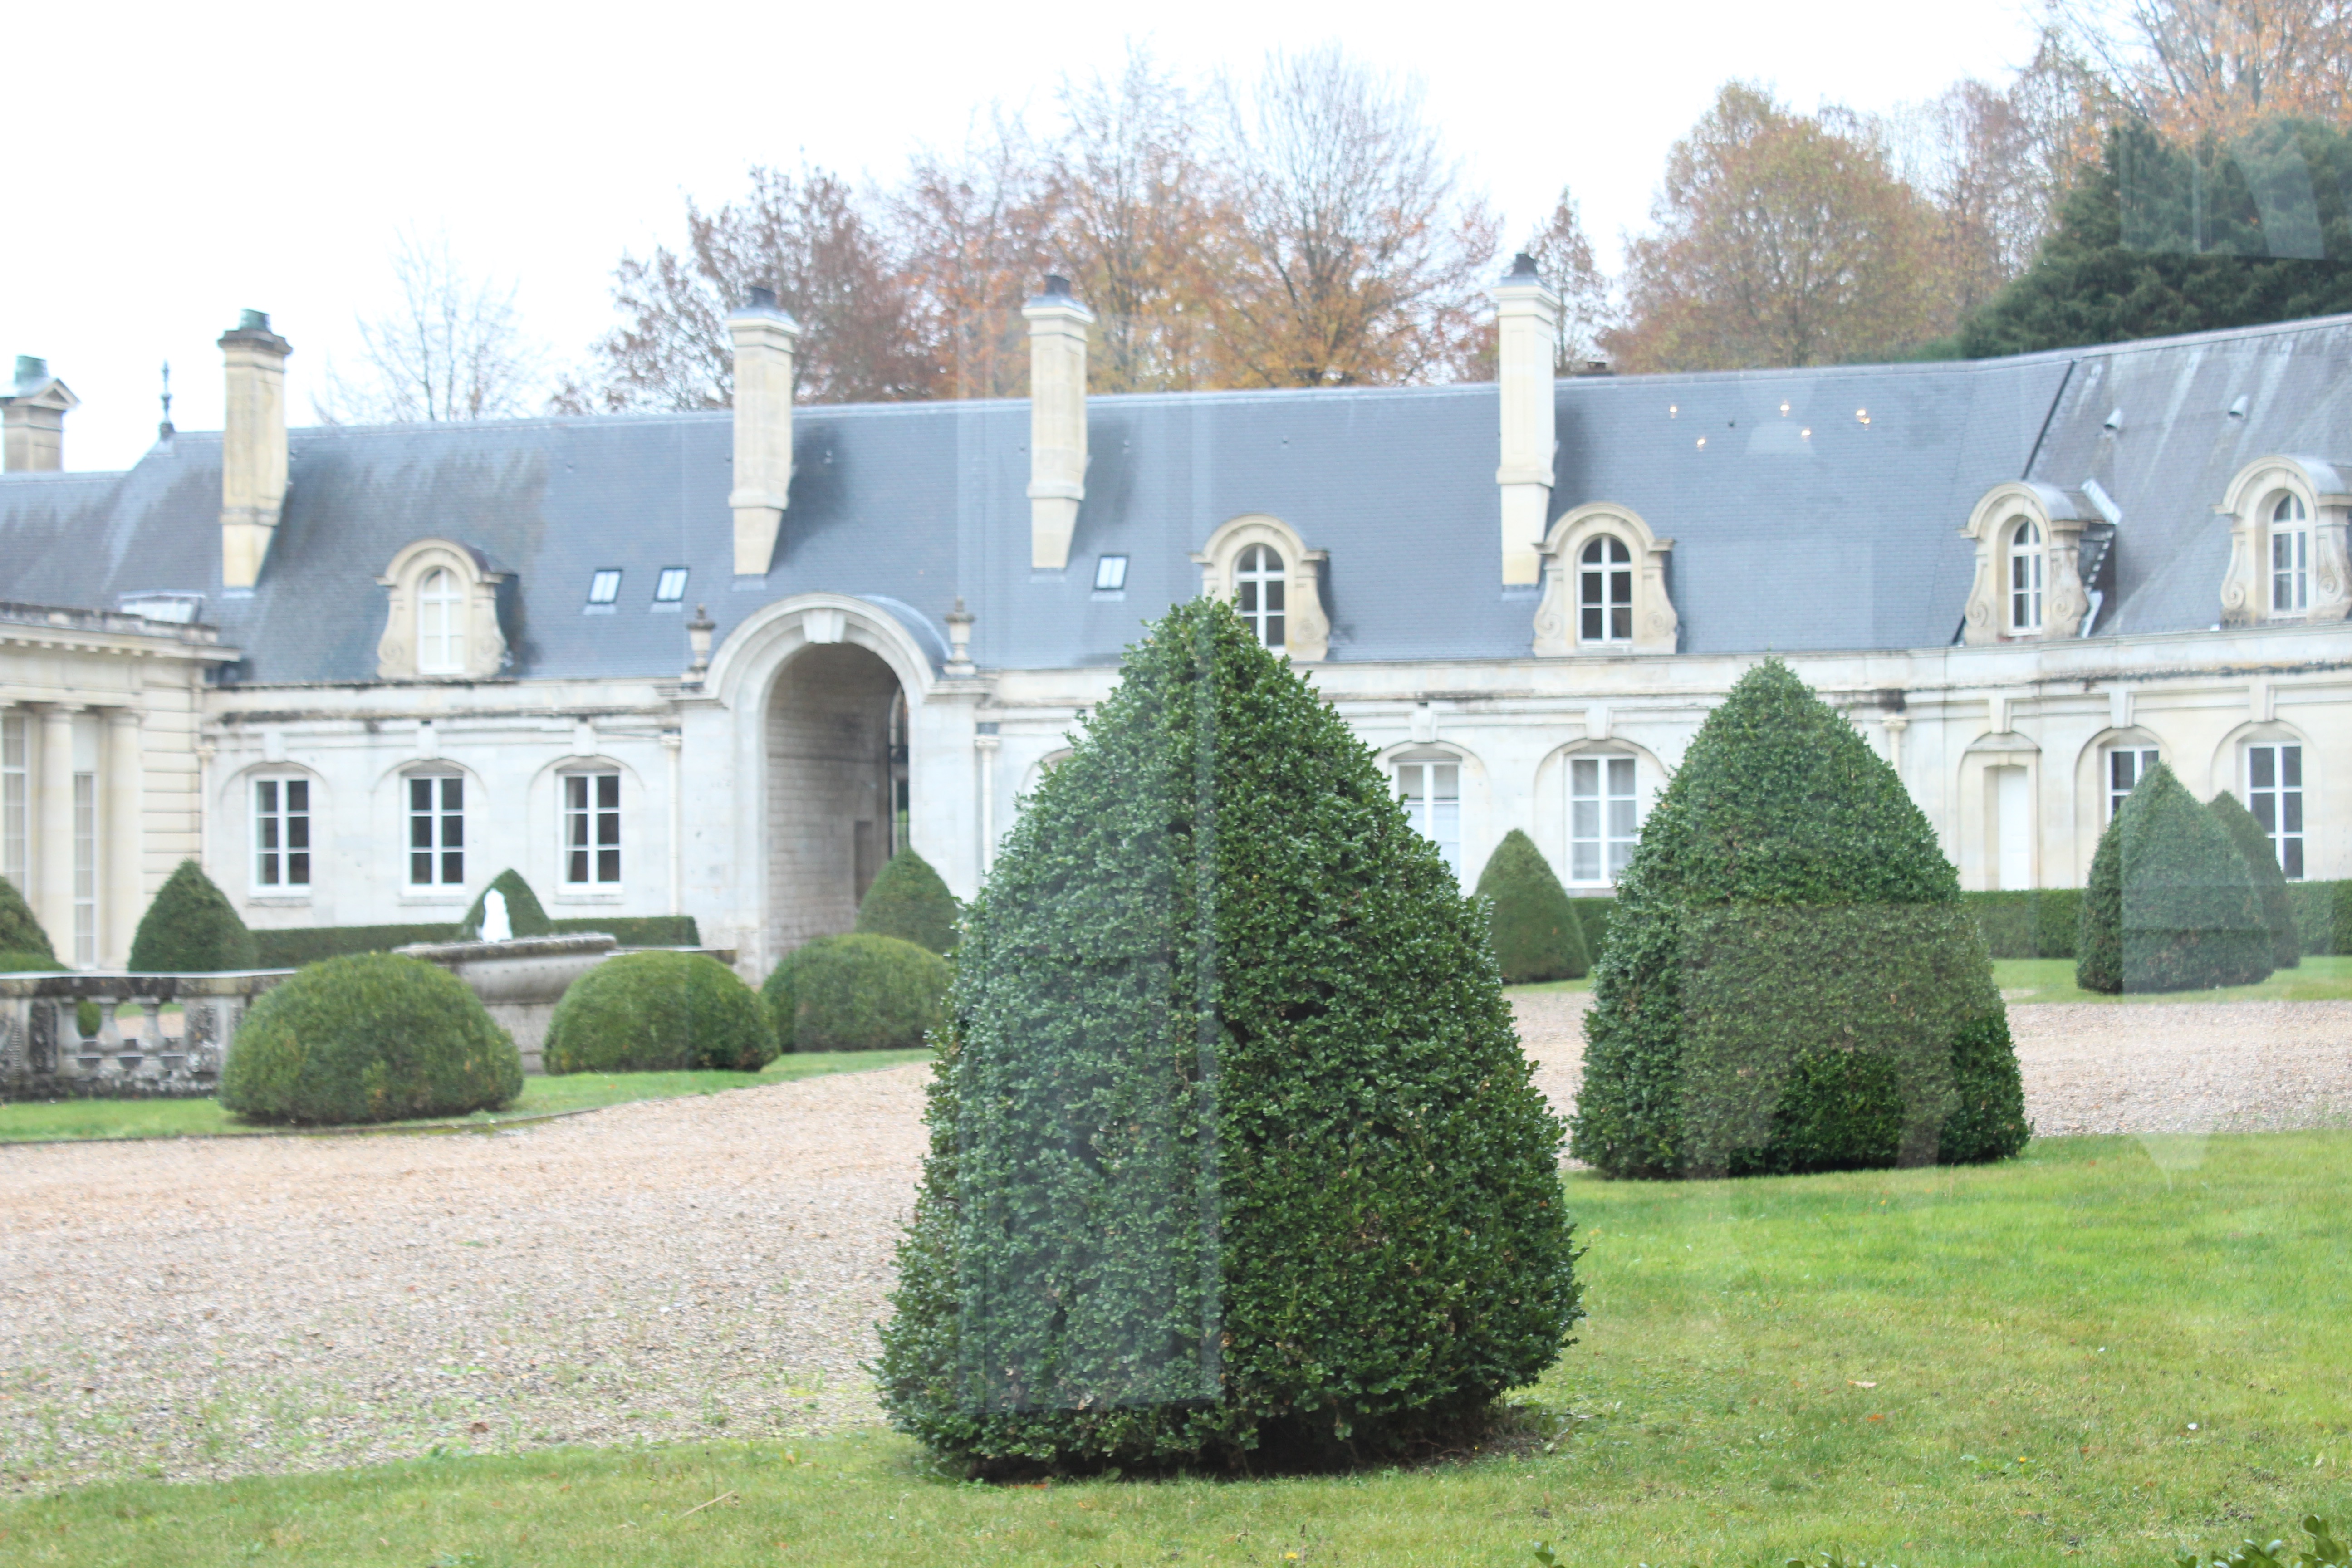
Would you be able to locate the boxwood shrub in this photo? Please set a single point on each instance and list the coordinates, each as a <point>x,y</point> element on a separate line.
<point>373,1037</point>
<point>1533,928</point>
<point>1233,1146</point>
<point>908,901</point>
<point>1791,981</point>
<point>658,1012</point>
<point>19,931</point>
<point>2170,905</point>
<point>2270,882</point>
<point>1593,915</point>
<point>2323,915</point>
<point>523,911</point>
<point>2037,923</point>
<point>191,928</point>
<point>857,993</point>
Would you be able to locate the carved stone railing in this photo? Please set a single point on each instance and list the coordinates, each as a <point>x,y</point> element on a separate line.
<point>44,1053</point>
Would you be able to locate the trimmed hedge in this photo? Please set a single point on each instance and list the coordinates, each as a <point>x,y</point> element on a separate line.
<point>2323,915</point>
<point>2037,923</point>
<point>660,1011</point>
<point>1791,981</point>
<point>524,912</point>
<point>1536,933</point>
<point>1593,915</point>
<point>20,932</point>
<point>2171,905</point>
<point>375,1037</point>
<point>857,993</point>
<point>295,946</point>
<point>191,928</point>
<point>1234,1150</point>
<point>2270,882</point>
<point>908,901</point>
<point>27,962</point>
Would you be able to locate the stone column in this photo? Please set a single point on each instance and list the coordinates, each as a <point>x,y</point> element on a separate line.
<point>53,830</point>
<point>986,743</point>
<point>122,845</point>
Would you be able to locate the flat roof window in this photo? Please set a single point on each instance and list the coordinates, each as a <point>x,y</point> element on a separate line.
<point>604,586</point>
<point>1110,573</point>
<point>671,588</point>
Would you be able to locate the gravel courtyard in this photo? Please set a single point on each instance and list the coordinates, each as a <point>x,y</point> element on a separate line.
<point>689,1268</point>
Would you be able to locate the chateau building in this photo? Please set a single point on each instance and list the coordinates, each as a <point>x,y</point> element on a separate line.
<point>725,664</point>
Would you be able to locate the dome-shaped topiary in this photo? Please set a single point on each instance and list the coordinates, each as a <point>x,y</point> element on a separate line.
<point>908,901</point>
<point>660,1011</point>
<point>2270,883</point>
<point>191,928</point>
<point>20,932</point>
<point>523,911</point>
<point>2170,905</point>
<point>857,993</point>
<point>1232,1145</point>
<point>1792,981</point>
<point>375,1037</point>
<point>1535,932</point>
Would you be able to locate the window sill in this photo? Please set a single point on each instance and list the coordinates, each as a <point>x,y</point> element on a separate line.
<point>420,896</point>
<point>584,896</point>
<point>278,901</point>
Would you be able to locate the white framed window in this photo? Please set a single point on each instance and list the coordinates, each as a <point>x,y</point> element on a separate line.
<point>2025,564</point>
<point>16,801</point>
<point>669,588</point>
<point>85,870</point>
<point>2274,795</point>
<point>1110,573</point>
<point>2126,765</point>
<point>281,834</point>
<point>1258,583</point>
<point>1604,591</point>
<point>1430,792</point>
<point>2290,557</point>
<point>592,831</point>
<point>440,624</point>
<point>604,585</point>
<point>1604,818</point>
<point>436,830</point>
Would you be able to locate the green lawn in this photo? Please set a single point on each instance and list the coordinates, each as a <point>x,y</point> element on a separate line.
<point>43,1121</point>
<point>2327,979</point>
<point>2079,1357</point>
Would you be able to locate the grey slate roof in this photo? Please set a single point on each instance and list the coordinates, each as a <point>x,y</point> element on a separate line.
<point>1844,538</point>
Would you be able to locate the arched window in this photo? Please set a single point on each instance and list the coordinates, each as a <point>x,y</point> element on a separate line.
<point>1430,788</point>
<point>2290,557</point>
<point>1257,592</point>
<point>2025,577</point>
<point>440,625</point>
<point>1604,591</point>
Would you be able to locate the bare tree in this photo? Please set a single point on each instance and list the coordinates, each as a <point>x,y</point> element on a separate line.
<point>2190,66</point>
<point>971,232</point>
<point>451,349</point>
<point>1358,257</point>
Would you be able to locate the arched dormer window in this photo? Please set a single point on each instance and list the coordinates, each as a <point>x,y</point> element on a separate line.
<point>2290,556</point>
<point>1258,580</point>
<point>1604,591</point>
<point>1261,567</point>
<point>441,618</point>
<point>2026,564</point>
<point>2287,526</point>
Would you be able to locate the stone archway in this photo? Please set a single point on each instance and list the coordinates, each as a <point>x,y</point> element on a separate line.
<point>836,768</point>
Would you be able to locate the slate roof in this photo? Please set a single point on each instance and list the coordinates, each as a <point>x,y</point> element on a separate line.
<point>1845,538</point>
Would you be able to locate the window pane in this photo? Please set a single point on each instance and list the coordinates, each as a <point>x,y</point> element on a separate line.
<point>298,871</point>
<point>266,791</point>
<point>1620,625</point>
<point>608,790</point>
<point>453,832</point>
<point>453,869</point>
<point>2265,810</point>
<point>2290,811</point>
<point>2293,860</point>
<point>608,827</point>
<point>420,795</point>
<point>1584,775</point>
<point>420,832</point>
<point>1621,775</point>
<point>1589,630</point>
<point>575,790</point>
<point>298,833</point>
<point>453,794</point>
<point>1584,818</point>
<point>1621,824</point>
<point>1273,597</point>
<point>1273,637</point>
<point>2262,763</point>
<point>608,864</point>
<point>1584,861</point>
<point>576,866</point>
<point>2291,766</point>
<point>420,868</point>
<point>297,795</point>
<point>1248,598</point>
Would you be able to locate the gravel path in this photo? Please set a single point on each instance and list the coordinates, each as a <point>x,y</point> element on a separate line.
<point>687,1267</point>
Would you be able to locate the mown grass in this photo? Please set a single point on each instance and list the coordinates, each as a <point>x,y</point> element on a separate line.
<point>51,1120</point>
<point>2093,1355</point>
<point>2326,978</point>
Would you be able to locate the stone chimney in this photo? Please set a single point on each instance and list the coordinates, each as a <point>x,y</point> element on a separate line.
<point>765,336</point>
<point>253,447</point>
<point>1526,319</point>
<point>33,416</point>
<point>1057,421</point>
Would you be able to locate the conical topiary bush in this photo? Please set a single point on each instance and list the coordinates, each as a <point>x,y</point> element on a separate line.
<point>1535,932</point>
<point>908,901</point>
<point>1233,1145</point>
<point>2270,882</point>
<point>191,928</point>
<point>523,911</point>
<point>2171,904</point>
<point>20,932</point>
<point>1792,981</point>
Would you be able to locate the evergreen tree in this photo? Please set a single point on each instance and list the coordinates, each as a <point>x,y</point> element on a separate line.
<point>1792,981</point>
<point>908,901</point>
<point>20,932</point>
<point>523,911</point>
<point>191,929</point>
<point>2171,905</point>
<point>2270,882</point>
<point>1535,932</point>
<point>1233,1145</point>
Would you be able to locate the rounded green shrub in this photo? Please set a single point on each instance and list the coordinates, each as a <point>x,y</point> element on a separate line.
<point>2170,904</point>
<point>660,1011</point>
<point>857,993</point>
<point>908,901</point>
<point>191,928</point>
<point>371,1037</point>
<point>1536,933</point>
<point>2270,883</point>
<point>1234,1150</point>
<point>19,931</point>
<point>523,911</point>
<point>1792,981</point>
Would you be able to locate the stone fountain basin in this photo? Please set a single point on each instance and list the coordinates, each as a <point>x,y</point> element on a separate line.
<point>520,980</point>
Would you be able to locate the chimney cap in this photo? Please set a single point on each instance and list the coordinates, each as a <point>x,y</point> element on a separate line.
<point>252,328</point>
<point>32,371</point>
<point>1524,265</point>
<point>1057,286</point>
<point>253,320</point>
<point>762,298</point>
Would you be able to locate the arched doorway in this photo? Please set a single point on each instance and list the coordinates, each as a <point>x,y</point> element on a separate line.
<point>837,807</point>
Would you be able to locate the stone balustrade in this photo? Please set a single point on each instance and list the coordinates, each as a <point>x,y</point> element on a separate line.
<point>45,1055</point>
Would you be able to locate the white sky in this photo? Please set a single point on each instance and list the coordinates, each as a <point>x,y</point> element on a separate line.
<point>172,164</point>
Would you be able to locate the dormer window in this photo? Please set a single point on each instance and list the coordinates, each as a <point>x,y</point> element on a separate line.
<point>604,586</point>
<point>2025,570</point>
<point>1258,582</point>
<point>1604,591</point>
<point>1261,567</point>
<point>2290,557</point>
<point>441,614</point>
<point>669,588</point>
<point>440,625</point>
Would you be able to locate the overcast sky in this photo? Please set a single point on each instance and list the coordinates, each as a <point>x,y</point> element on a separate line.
<point>173,164</point>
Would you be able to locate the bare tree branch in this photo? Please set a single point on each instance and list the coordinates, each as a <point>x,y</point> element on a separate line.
<point>450,350</point>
